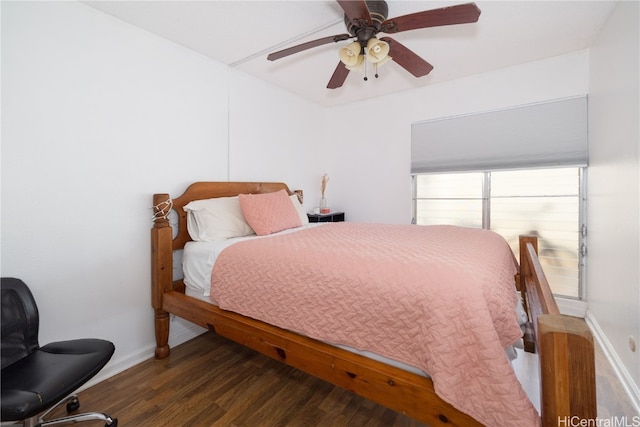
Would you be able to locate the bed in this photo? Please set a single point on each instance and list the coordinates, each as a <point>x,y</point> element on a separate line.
<point>564,344</point>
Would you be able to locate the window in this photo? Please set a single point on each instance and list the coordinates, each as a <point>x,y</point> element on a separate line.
<point>544,202</point>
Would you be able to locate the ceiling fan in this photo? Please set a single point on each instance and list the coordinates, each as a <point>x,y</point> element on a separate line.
<point>364,19</point>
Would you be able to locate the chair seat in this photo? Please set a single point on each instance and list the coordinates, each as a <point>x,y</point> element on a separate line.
<point>36,382</point>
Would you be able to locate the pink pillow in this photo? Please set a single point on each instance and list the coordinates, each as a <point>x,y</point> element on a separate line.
<point>269,212</point>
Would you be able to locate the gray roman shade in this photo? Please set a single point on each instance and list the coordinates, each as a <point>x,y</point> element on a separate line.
<point>544,134</point>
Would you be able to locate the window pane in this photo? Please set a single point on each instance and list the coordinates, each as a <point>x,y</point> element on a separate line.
<point>449,185</point>
<point>545,203</point>
<point>555,222</point>
<point>535,182</point>
<point>454,199</point>
<point>466,213</point>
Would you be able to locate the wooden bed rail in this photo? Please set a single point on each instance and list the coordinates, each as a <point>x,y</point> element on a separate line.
<point>564,344</point>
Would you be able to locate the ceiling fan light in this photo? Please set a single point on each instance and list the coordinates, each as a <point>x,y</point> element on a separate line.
<point>377,51</point>
<point>357,65</point>
<point>350,55</point>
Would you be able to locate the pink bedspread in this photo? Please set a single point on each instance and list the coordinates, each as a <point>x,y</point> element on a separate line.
<point>440,298</point>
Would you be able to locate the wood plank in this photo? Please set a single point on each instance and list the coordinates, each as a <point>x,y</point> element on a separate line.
<point>212,381</point>
<point>208,376</point>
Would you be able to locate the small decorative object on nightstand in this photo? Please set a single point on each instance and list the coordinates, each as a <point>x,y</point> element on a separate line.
<point>324,204</point>
<point>330,217</point>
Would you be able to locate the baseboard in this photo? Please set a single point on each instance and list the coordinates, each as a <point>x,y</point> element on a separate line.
<point>629,385</point>
<point>121,364</point>
<point>182,334</point>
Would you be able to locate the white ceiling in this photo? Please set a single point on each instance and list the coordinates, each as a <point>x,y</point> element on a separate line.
<point>242,33</point>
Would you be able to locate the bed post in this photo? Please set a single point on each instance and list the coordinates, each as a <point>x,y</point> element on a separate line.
<point>525,271</point>
<point>565,348</point>
<point>567,370</point>
<point>161,270</point>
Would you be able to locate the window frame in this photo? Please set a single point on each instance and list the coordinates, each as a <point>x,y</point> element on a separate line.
<point>486,211</point>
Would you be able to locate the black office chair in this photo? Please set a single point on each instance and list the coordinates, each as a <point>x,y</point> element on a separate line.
<point>35,380</point>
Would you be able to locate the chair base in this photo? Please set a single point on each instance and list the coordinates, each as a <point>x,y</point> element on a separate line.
<point>72,404</point>
<point>72,419</point>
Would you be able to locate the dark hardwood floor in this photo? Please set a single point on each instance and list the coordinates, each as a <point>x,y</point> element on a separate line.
<point>211,381</point>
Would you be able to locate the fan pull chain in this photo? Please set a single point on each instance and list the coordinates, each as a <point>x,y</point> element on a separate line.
<point>365,70</point>
<point>375,67</point>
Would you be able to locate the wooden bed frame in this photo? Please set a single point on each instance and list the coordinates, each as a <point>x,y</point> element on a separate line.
<point>564,344</point>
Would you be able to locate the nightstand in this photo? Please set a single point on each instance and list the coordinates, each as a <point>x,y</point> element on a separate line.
<point>330,217</point>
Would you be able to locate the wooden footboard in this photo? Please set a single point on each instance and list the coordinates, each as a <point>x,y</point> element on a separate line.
<point>564,344</point>
<point>397,389</point>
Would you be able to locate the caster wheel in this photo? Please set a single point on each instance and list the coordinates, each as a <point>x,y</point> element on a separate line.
<point>73,405</point>
<point>114,423</point>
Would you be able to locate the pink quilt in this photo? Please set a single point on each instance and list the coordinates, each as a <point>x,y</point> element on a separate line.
<point>440,298</point>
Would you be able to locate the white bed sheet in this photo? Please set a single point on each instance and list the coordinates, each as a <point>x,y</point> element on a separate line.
<point>197,264</point>
<point>198,259</point>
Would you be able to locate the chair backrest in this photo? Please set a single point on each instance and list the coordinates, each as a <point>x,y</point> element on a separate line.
<point>19,319</point>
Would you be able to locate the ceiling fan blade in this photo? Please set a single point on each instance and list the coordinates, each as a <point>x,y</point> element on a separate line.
<point>355,9</point>
<point>407,59</point>
<point>308,45</point>
<point>339,76</point>
<point>460,14</point>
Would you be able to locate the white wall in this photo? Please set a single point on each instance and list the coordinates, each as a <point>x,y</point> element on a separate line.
<point>98,116</point>
<point>613,280</point>
<point>276,136</point>
<point>371,162</point>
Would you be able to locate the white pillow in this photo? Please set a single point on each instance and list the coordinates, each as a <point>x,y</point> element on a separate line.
<point>304,219</point>
<point>216,219</point>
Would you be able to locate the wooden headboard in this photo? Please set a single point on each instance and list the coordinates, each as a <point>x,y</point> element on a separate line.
<point>163,204</point>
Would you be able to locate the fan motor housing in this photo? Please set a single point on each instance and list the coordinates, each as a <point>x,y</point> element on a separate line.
<point>358,28</point>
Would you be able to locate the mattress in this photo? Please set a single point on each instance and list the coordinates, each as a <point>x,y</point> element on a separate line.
<point>199,259</point>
